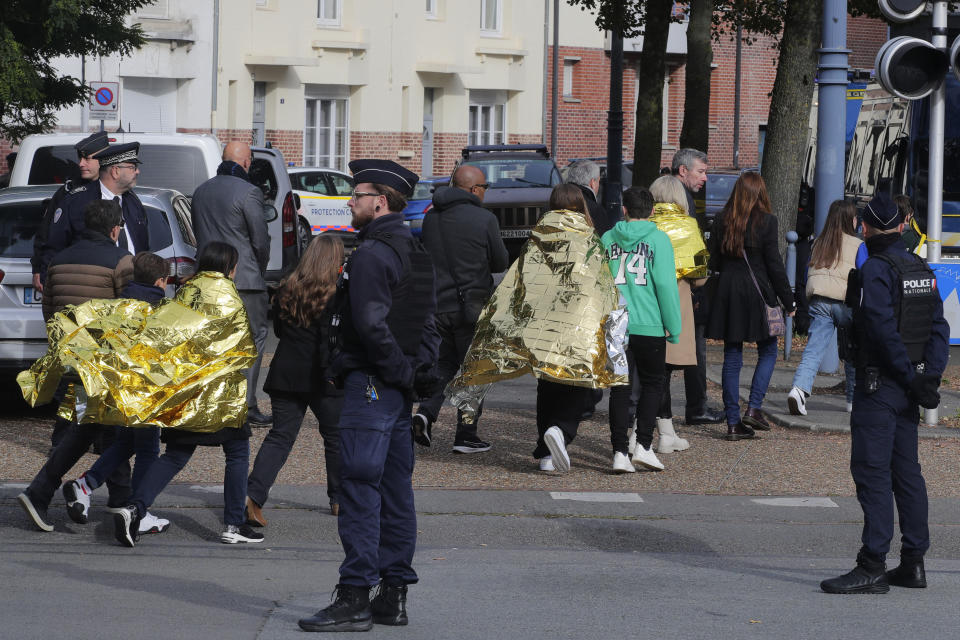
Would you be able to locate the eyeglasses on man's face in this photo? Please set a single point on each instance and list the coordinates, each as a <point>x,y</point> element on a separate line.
<point>356,195</point>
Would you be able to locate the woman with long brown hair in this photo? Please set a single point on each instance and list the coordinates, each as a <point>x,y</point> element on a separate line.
<point>743,247</point>
<point>298,375</point>
<point>834,255</point>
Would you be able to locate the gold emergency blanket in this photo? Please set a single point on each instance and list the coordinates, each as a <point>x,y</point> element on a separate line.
<point>546,317</point>
<point>178,364</point>
<point>689,252</point>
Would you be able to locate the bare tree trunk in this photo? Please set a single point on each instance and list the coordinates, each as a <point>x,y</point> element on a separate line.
<point>696,103</point>
<point>649,129</point>
<point>786,140</point>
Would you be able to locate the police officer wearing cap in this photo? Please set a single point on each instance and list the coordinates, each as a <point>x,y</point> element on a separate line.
<point>900,347</point>
<point>89,166</point>
<point>119,168</point>
<point>387,346</point>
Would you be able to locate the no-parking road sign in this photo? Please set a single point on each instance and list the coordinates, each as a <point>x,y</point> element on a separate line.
<point>104,100</point>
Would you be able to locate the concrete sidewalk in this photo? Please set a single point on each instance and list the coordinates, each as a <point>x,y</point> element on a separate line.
<point>826,407</point>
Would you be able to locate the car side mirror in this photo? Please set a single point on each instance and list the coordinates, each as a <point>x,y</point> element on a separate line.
<point>269,212</point>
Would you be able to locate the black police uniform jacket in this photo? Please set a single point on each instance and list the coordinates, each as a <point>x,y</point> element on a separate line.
<point>374,273</point>
<point>737,312</point>
<point>67,224</point>
<point>877,317</point>
<point>40,239</point>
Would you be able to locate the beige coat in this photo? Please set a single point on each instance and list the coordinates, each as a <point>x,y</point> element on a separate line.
<point>684,353</point>
<point>832,283</point>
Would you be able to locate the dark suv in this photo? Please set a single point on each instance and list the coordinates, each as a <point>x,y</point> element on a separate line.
<point>521,177</point>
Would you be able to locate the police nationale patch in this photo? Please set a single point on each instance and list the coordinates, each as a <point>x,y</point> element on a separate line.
<point>918,286</point>
<point>56,215</point>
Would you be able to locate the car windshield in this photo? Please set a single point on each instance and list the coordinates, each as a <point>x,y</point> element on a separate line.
<point>517,173</point>
<point>720,186</point>
<point>165,166</point>
<point>18,226</point>
<point>424,190</point>
<point>313,182</point>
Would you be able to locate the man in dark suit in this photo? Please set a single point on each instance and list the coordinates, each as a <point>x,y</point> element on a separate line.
<point>228,208</point>
<point>119,168</point>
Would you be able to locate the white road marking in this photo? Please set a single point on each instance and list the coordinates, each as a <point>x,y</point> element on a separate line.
<point>796,502</point>
<point>14,485</point>
<point>595,496</point>
<point>207,489</point>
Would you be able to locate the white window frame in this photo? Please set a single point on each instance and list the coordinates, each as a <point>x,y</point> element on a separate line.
<point>568,65</point>
<point>487,102</point>
<point>337,161</point>
<point>431,9</point>
<point>337,20</point>
<point>497,27</point>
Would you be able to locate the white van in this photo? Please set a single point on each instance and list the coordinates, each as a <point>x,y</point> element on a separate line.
<point>181,162</point>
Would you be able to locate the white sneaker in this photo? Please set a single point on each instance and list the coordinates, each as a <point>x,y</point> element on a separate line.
<point>849,407</point>
<point>77,495</point>
<point>797,401</point>
<point>631,440</point>
<point>234,534</point>
<point>622,464</point>
<point>546,464</point>
<point>553,438</point>
<point>152,524</point>
<point>669,441</point>
<point>647,458</point>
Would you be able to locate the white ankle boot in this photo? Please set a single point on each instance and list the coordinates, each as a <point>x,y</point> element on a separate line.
<point>669,440</point>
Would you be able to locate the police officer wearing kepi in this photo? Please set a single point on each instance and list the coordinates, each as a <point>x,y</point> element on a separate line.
<point>119,168</point>
<point>87,150</point>
<point>900,350</point>
<point>387,348</point>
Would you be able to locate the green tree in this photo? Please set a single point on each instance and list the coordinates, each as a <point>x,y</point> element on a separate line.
<point>35,32</point>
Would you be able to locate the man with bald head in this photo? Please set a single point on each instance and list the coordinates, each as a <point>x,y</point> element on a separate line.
<point>464,242</point>
<point>228,208</point>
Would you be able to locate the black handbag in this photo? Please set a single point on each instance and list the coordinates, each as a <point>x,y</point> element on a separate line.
<point>776,325</point>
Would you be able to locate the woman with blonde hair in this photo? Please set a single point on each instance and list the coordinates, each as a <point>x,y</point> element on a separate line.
<point>670,206</point>
<point>299,376</point>
<point>748,275</point>
<point>834,255</point>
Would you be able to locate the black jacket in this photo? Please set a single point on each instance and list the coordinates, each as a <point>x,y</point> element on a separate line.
<point>301,362</point>
<point>68,221</point>
<point>598,214</point>
<point>143,291</point>
<point>464,242</point>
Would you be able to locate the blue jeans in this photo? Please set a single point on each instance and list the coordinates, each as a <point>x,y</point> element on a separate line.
<point>826,315</point>
<point>733,362</point>
<point>175,458</point>
<point>144,442</point>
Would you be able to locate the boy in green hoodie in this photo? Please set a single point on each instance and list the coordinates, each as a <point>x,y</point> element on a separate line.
<point>642,264</point>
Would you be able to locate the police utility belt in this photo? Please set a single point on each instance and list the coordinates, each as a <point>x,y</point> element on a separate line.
<point>917,300</point>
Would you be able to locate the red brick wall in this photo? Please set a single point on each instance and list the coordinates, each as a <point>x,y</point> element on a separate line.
<point>864,37</point>
<point>387,145</point>
<point>446,151</point>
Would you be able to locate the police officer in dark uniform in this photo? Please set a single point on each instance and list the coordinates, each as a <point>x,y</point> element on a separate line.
<point>119,168</point>
<point>87,150</point>
<point>900,349</point>
<point>387,348</point>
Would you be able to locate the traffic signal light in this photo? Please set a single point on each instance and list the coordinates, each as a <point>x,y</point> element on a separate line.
<point>909,67</point>
<point>902,10</point>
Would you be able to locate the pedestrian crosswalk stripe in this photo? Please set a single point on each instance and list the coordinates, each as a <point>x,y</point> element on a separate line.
<point>796,502</point>
<point>595,496</point>
<point>14,485</point>
<point>218,488</point>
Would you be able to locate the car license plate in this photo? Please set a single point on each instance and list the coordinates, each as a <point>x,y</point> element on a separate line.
<point>515,233</point>
<point>32,296</point>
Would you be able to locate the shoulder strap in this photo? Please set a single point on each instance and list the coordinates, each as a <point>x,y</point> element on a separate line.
<point>743,252</point>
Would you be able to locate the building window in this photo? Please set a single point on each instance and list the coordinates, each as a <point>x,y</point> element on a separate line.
<point>431,8</point>
<point>488,121</point>
<point>490,15</point>
<point>568,78</point>
<point>158,9</point>
<point>325,135</point>
<point>329,12</point>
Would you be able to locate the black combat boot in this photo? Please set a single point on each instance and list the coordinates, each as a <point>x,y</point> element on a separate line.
<point>869,576</point>
<point>389,606</point>
<point>350,611</point>
<point>909,574</point>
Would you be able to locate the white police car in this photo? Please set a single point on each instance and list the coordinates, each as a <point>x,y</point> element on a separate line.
<point>324,193</point>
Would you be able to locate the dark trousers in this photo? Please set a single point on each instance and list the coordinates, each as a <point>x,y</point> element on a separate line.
<point>288,412</point>
<point>886,468</point>
<point>176,456</point>
<point>256,304</point>
<point>646,359</point>
<point>75,442</point>
<point>695,378</point>
<point>559,405</point>
<point>143,442</point>
<point>456,333</point>
<point>378,521</point>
